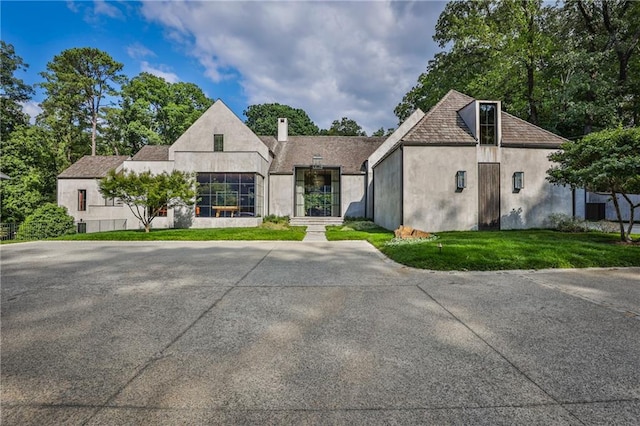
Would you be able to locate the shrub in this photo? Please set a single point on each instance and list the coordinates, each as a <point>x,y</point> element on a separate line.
<point>360,225</point>
<point>566,223</point>
<point>279,220</point>
<point>47,221</point>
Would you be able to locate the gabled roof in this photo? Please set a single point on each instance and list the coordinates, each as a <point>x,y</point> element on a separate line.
<point>349,152</point>
<point>152,153</point>
<point>89,167</point>
<point>443,125</point>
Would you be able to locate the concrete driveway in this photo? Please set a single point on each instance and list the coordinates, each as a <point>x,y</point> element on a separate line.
<point>307,333</point>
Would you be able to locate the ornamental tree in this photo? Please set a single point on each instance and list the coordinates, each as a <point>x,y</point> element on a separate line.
<point>147,194</point>
<point>606,162</point>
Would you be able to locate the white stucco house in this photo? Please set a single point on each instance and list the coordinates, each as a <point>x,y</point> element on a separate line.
<point>464,165</point>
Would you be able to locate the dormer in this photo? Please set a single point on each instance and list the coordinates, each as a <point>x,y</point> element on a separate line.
<point>484,120</point>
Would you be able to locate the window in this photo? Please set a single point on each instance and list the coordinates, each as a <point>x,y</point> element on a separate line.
<point>229,194</point>
<point>488,124</point>
<point>218,143</point>
<point>82,200</point>
<point>163,211</point>
<point>111,202</point>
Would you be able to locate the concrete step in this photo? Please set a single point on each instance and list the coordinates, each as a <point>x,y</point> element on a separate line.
<point>307,221</point>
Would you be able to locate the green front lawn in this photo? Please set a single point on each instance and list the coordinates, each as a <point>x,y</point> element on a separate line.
<point>293,233</point>
<point>499,250</point>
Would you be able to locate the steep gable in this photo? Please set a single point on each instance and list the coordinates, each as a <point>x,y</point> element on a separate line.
<point>218,119</point>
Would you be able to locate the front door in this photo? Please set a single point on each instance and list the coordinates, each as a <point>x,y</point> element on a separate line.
<point>317,192</point>
<point>488,196</point>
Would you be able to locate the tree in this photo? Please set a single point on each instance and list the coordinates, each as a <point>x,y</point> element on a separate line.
<point>13,90</point>
<point>30,159</point>
<point>262,119</point>
<point>147,194</point>
<point>344,127</point>
<point>380,132</point>
<point>604,162</point>
<point>153,111</point>
<point>77,82</point>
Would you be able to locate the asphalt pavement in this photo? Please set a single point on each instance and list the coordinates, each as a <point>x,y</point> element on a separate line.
<point>307,333</point>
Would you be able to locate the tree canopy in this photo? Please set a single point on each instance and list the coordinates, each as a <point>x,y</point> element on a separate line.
<point>344,127</point>
<point>570,68</point>
<point>604,162</point>
<point>262,119</point>
<point>153,111</point>
<point>76,83</point>
<point>147,194</point>
<point>13,90</point>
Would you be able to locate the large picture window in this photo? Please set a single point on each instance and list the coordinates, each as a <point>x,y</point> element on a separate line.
<point>488,124</point>
<point>229,195</point>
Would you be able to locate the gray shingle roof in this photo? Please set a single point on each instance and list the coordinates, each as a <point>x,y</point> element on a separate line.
<point>348,152</point>
<point>89,167</point>
<point>442,125</point>
<point>152,153</point>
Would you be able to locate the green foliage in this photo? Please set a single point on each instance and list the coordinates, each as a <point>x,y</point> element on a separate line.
<point>146,194</point>
<point>570,68</point>
<point>606,162</point>
<point>153,111</point>
<point>76,83</point>
<point>29,159</point>
<point>262,119</point>
<point>276,219</point>
<point>293,233</point>
<point>344,127</point>
<point>12,90</point>
<point>47,221</point>
<point>380,132</point>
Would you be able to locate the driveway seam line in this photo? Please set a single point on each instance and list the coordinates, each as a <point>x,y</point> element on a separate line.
<point>160,354</point>
<point>500,354</point>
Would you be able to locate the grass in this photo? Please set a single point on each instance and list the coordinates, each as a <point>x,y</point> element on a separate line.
<point>267,232</point>
<point>500,250</point>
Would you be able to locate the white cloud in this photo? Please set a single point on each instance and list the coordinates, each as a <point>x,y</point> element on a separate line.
<point>101,7</point>
<point>31,108</point>
<point>159,71</point>
<point>139,51</point>
<point>332,59</point>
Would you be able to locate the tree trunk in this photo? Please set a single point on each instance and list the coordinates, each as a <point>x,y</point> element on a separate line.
<point>147,227</point>
<point>94,127</point>
<point>623,236</point>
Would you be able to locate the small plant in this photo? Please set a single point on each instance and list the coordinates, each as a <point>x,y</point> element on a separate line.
<point>279,220</point>
<point>360,225</point>
<point>47,221</point>
<point>394,242</point>
<point>565,223</point>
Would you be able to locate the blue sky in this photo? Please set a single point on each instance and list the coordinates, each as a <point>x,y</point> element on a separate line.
<point>332,59</point>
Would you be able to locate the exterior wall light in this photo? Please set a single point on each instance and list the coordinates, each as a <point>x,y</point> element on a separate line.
<point>518,181</point>
<point>461,180</point>
<point>316,162</point>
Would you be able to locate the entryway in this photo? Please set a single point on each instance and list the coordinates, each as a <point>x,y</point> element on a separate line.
<point>488,196</point>
<point>317,192</point>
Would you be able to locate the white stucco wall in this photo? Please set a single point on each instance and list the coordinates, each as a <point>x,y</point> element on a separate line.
<point>431,201</point>
<point>281,195</point>
<point>353,195</point>
<point>532,205</point>
<point>96,209</point>
<point>219,119</point>
<point>387,191</point>
<point>384,149</point>
<point>610,210</point>
<point>155,167</point>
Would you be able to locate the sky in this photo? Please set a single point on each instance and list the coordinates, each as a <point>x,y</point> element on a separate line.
<point>332,59</point>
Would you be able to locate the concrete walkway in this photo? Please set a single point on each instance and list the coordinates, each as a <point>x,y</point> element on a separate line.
<point>293,333</point>
<point>315,233</point>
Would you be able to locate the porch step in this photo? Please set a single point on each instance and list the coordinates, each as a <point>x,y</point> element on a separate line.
<point>308,221</point>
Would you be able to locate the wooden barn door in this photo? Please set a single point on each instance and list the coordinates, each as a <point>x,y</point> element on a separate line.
<point>488,196</point>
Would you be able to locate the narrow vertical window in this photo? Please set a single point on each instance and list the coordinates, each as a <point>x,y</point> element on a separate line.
<point>82,200</point>
<point>218,143</point>
<point>488,124</point>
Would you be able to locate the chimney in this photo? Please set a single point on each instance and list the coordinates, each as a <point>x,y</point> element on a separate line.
<point>283,130</point>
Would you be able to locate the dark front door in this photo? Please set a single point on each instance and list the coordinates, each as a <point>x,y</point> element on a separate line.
<point>488,196</point>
